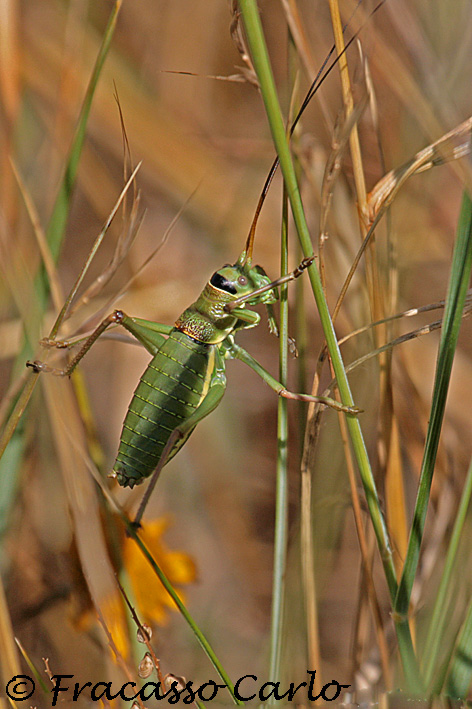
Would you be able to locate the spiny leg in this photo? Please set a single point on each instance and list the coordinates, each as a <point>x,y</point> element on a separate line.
<point>209,403</point>
<point>148,333</point>
<point>239,353</point>
<point>43,367</point>
<point>145,331</point>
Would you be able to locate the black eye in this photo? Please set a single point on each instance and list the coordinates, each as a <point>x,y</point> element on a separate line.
<point>220,282</point>
<point>242,280</point>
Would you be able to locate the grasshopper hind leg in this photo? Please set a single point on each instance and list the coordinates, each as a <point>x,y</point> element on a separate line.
<point>150,335</point>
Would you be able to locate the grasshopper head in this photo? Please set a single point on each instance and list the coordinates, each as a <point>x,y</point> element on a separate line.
<point>241,280</point>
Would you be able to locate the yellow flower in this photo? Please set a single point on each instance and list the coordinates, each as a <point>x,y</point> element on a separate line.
<point>151,598</point>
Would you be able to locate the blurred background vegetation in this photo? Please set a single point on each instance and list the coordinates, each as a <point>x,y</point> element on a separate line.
<point>201,133</point>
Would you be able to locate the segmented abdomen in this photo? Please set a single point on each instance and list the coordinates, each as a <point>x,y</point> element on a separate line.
<point>171,388</point>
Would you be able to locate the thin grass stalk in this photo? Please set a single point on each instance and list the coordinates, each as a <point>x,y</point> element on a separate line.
<point>262,65</point>
<point>37,674</point>
<point>17,411</point>
<point>348,104</point>
<point>10,665</point>
<point>366,557</point>
<point>57,222</point>
<point>440,613</point>
<point>281,502</point>
<point>92,253</point>
<point>375,291</point>
<point>455,300</point>
<point>307,563</point>
<point>54,237</point>
<point>301,324</point>
<point>131,531</point>
<point>302,345</point>
<point>60,213</point>
<point>48,262</point>
<point>366,550</point>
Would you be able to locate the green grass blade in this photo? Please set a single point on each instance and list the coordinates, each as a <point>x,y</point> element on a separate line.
<point>281,505</point>
<point>460,674</point>
<point>440,614</point>
<point>457,289</point>
<point>261,62</point>
<point>38,674</point>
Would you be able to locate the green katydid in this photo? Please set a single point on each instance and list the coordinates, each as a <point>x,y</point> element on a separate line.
<point>185,380</point>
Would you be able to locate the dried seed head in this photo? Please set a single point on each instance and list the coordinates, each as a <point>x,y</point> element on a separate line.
<point>170,678</point>
<point>144,633</point>
<point>146,666</point>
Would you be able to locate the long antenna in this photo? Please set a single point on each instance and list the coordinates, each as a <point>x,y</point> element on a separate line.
<point>315,85</point>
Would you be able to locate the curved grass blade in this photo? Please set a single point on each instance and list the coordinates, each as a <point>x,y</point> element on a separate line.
<point>460,675</point>
<point>440,613</point>
<point>455,300</point>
